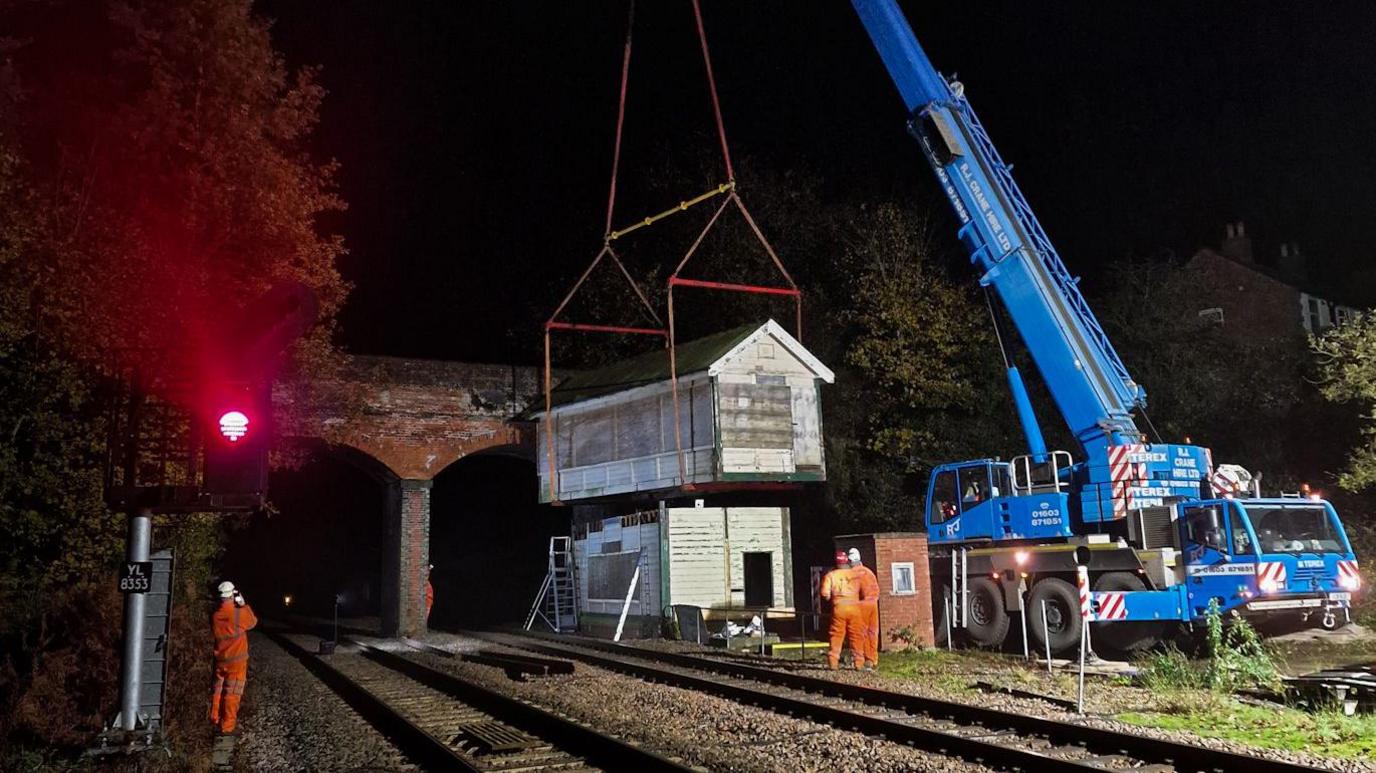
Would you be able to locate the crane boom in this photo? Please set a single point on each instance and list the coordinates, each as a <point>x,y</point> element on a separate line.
<point>1139,514</point>
<point>1087,379</point>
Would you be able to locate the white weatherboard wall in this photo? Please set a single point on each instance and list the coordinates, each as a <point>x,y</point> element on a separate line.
<point>706,548</point>
<point>700,548</point>
<point>768,409</point>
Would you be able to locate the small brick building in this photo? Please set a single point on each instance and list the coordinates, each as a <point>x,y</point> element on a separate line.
<point>899,561</point>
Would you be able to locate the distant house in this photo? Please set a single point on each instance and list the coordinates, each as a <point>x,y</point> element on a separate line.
<point>1250,299</point>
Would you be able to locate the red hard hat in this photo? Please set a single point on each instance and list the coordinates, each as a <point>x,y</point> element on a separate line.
<point>842,558</point>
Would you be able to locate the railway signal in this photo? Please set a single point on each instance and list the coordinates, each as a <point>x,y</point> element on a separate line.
<point>237,438</point>
<point>236,412</point>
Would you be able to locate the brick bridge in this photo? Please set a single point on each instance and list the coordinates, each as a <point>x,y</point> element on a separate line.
<point>403,422</point>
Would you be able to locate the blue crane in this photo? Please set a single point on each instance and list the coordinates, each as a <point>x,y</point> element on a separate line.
<point>1144,515</point>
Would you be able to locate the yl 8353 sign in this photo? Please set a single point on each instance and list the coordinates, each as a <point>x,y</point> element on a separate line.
<point>136,577</point>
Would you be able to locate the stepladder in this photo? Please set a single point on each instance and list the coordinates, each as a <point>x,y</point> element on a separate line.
<point>556,603</point>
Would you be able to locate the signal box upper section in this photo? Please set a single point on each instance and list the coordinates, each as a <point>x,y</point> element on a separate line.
<point>749,413</point>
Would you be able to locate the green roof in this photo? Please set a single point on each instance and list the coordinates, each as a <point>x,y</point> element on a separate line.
<point>649,368</point>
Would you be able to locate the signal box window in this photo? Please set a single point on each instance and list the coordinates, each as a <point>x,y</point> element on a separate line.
<point>944,497</point>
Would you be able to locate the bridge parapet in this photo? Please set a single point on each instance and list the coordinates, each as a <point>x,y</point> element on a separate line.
<point>416,416</point>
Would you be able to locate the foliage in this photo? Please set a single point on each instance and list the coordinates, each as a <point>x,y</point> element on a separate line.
<point>903,635</point>
<point>921,345</point>
<point>153,176</point>
<point>1346,370</point>
<point>1328,732</point>
<point>1237,658</point>
<point>1169,669</point>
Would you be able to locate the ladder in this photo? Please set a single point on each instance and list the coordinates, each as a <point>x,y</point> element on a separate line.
<point>557,601</point>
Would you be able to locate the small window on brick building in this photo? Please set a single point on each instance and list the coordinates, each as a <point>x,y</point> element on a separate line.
<point>903,579</point>
<point>1213,316</point>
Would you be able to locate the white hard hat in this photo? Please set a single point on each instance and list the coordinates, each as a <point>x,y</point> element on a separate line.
<point>854,555</point>
<point>226,589</point>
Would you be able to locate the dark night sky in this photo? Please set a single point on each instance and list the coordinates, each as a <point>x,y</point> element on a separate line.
<point>475,137</point>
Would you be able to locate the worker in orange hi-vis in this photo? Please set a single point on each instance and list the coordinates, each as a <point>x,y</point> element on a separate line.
<point>841,587</point>
<point>429,593</point>
<point>869,602</point>
<point>230,624</point>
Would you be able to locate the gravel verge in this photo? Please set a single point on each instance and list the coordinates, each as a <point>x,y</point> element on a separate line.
<point>290,721</point>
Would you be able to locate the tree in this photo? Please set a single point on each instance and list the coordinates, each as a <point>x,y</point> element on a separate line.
<point>920,374</point>
<point>154,176</point>
<point>1346,370</point>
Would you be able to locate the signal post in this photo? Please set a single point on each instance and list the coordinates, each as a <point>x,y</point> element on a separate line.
<point>189,443</point>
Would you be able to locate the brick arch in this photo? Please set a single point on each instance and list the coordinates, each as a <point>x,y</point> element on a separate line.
<point>403,421</point>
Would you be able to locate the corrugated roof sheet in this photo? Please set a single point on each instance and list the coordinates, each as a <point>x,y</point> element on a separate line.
<point>650,367</point>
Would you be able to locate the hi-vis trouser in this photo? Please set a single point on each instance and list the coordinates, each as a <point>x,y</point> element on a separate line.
<point>848,619</point>
<point>230,678</point>
<point>871,607</point>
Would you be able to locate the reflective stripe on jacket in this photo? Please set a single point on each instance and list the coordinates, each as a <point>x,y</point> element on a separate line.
<point>230,625</point>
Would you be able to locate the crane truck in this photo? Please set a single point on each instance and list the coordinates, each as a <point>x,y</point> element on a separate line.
<point>1160,543</point>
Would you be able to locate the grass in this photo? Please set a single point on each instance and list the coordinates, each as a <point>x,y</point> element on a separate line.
<point>936,667</point>
<point>1171,693</point>
<point>1327,732</point>
<point>1170,669</point>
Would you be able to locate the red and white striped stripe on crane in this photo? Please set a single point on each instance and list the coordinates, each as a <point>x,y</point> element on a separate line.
<point>1113,605</point>
<point>1122,472</point>
<point>1348,574</point>
<point>1271,572</point>
<point>1225,482</point>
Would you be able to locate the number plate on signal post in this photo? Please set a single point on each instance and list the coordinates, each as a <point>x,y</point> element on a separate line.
<point>136,577</point>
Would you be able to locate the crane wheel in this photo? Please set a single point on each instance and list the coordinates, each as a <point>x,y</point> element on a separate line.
<point>1124,638</point>
<point>988,622</point>
<point>1062,623</point>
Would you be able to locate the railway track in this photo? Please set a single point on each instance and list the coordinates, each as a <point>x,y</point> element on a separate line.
<point>443,723</point>
<point>988,736</point>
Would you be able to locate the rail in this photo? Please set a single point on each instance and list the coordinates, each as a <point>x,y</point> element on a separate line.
<point>556,742</point>
<point>975,733</point>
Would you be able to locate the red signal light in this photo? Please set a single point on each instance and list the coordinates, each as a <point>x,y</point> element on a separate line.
<point>233,425</point>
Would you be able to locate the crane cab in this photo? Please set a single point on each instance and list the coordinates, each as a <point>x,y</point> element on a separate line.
<point>995,500</point>
<point>1267,556</point>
